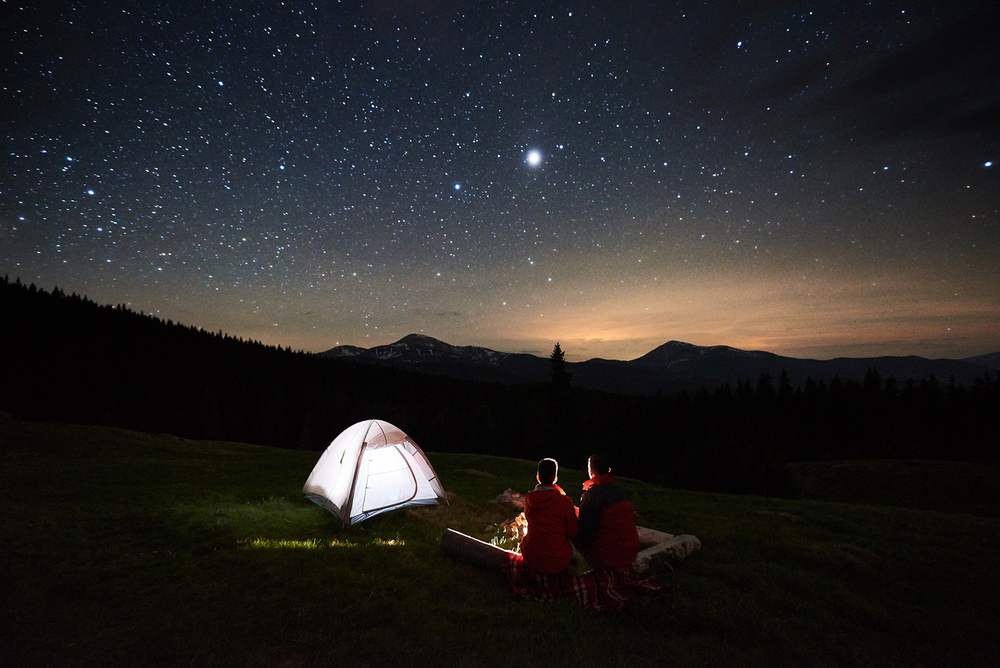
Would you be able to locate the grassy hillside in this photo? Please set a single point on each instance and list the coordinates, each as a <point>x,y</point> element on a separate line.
<point>950,487</point>
<point>123,548</point>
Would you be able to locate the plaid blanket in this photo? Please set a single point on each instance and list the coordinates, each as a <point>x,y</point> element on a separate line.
<point>601,589</point>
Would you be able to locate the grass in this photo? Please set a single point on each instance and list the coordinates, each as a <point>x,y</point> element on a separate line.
<point>951,487</point>
<point>123,548</point>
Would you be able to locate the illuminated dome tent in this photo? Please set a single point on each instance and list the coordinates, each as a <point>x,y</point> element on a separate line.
<point>370,468</point>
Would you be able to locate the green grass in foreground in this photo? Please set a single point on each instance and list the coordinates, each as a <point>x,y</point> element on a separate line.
<point>123,548</point>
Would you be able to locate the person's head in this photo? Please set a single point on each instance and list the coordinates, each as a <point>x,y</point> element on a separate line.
<point>548,471</point>
<point>599,464</point>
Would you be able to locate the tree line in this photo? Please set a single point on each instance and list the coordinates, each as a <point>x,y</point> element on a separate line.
<point>66,358</point>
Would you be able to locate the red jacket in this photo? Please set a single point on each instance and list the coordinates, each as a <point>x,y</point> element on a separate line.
<point>607,534</point>
<point>551,516</point>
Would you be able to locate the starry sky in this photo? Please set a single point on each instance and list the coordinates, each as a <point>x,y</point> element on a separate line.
<point>814,179</point>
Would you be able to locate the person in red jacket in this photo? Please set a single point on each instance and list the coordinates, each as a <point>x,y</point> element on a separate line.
<point>607,535</point>
<point>551,516</point>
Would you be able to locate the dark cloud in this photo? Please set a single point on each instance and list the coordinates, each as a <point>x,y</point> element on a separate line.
<point>947,83</point>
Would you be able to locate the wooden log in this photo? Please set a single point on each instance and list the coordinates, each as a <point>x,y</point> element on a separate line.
<point>459,545</point>
<point>652,536</point>
<point>668,548</point>
<point>673,549</point>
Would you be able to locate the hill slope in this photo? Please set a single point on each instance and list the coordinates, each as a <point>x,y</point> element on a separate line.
<point>124,549</point>
<point>67,359</point>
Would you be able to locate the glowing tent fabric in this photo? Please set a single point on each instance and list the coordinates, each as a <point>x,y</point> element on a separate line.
<point>370,468</point>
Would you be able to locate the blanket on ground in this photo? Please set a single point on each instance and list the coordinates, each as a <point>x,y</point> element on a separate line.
<point>601,589</point>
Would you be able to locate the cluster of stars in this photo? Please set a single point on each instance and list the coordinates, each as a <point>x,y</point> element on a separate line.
<point>402,164</point>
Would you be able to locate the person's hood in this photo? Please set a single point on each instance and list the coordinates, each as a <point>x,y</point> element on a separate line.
<point>603,479</point>
<point>544,496</point>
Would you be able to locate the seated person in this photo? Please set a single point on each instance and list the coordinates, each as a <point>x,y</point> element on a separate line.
<point>607,535</point>
<point>551,516</point>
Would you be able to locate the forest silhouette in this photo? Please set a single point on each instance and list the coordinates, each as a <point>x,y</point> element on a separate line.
<point>68,359</point>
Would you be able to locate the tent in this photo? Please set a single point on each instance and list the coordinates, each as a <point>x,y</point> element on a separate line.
<point>370,468</point>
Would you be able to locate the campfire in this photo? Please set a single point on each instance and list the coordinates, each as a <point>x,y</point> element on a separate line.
<point>509,533</point>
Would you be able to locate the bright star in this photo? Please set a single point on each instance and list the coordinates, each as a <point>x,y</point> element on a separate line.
<point>534,158</point>
<point>458,186</point>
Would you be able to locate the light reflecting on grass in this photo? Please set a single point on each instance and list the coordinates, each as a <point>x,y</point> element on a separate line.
<point>310,544</point>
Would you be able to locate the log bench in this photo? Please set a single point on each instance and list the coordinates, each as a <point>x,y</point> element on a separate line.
<point>661,548</point>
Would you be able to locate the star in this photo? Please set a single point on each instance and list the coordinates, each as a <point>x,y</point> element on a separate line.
<point>279,170</point>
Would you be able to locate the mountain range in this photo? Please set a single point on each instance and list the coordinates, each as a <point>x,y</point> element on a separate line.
<point>671,367</point>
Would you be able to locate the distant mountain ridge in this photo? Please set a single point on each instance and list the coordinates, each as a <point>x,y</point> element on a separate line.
<point>673,366</point>
<point>421,348</point>
<point>423,353</point>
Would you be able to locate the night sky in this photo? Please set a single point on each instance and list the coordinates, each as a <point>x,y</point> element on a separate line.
<point>814,179</point>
